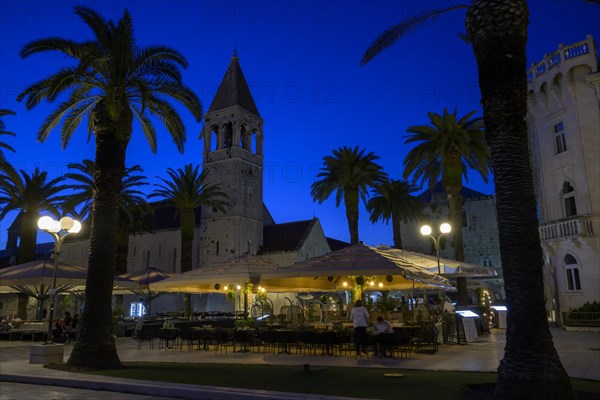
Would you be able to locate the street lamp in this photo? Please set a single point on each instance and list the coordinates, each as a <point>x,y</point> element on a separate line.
<point>59,231</point>
<point>426,231</point>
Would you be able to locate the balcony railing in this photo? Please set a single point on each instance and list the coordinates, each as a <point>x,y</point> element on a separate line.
<point>581,318</point>
<point>579,226</point>
<point>564,53</point>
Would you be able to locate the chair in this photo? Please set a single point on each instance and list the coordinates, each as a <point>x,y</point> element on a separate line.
<point>145,336</point>
<point>222,339</point>
<point>168,338</point>
<point>244,338</point>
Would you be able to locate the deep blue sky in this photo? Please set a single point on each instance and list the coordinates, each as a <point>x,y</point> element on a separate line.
<point>301,59</point>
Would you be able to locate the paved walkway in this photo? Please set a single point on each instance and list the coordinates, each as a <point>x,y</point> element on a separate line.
<point>579,352</point>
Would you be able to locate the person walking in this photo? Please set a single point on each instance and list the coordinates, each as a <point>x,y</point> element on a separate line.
<point>360,317</point>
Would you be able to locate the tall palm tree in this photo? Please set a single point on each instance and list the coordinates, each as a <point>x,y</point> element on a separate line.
<point>133,205</point>
<point>30,195</point>
<point>350,173</point>
<point>446,149</point>
<point>112,81</point>
<point>392,199</point>
<point>5,167</point>
<point>497,31</point>
<point>185,190</point>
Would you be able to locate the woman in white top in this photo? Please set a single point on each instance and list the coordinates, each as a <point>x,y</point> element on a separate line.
<point>360,317</point>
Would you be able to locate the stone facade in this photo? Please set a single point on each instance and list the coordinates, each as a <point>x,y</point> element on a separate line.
<point>564,129</point>
<point>480,230</point>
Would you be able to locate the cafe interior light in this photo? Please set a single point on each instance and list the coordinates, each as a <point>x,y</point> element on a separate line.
<point>380,284</point>
<point>371,283</point>
<point>345,284</point>
<point>226,288</point>
<point>238,287</point>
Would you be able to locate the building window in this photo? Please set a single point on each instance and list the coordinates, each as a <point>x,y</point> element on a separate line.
<point>487,262</point>
<point>464,219</point>
<point>560,140</point>
<point>572,274</point>
<point>568,193</point>
<point>174,260</point>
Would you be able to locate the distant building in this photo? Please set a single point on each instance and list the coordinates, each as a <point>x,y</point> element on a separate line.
<point>564,128</point>
<point>479,229</point>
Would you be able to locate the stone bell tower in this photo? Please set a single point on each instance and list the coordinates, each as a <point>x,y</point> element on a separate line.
<point>233,158</point>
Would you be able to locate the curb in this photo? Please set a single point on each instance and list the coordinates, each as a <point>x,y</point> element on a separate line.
<point>180,391</point>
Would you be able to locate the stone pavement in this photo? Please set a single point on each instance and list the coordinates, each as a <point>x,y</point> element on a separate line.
<point>579,352</point>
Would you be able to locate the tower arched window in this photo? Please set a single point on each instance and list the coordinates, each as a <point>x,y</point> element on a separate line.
<point>572,273</point>
<point>568,194</point>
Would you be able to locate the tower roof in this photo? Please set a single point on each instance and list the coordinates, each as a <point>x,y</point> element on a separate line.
<point>233,90</point>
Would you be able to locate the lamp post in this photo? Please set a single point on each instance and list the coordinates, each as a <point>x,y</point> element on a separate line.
<point>59,231</point>
<point>426,231</point>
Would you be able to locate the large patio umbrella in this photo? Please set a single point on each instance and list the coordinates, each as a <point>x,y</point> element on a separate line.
<point>35,278</point>
<point>450,268</point>
<point>217,276</point>
<point>146,280</point>
<point>329,272</point>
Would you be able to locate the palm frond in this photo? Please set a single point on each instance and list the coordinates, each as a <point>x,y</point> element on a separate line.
<point>389,37</point>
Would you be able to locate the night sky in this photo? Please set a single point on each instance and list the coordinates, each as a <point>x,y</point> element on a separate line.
<point>301,60</point>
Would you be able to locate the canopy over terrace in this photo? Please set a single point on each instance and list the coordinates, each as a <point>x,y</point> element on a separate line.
<point>450,268</point>
<point>145,282</point>
<point>35,279</point>
<point>329,272</point>
<point>214,278</point>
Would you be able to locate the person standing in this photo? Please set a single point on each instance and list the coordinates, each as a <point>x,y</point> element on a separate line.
<point>360,317</point>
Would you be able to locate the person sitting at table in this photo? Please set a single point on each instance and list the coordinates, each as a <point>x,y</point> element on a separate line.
<point>360,317</point>
<point>379,328</point>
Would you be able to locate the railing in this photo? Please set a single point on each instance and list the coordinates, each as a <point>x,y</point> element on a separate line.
<point>567,53</point>
<point>580,226</point>
<point>581,318</point>
<point>577,51</point>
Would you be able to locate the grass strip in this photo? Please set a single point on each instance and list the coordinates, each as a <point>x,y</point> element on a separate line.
<point>339,381</point>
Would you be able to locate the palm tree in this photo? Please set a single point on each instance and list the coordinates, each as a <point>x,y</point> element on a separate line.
<point>497,31</point>
<point>350,173</point>
<point>5,167</point>
<point>185,190</point>
<point>447,148</point>
<point>30,195</point>
<point>392,199</point>
<point>133,205</point>
<point>112,82</point>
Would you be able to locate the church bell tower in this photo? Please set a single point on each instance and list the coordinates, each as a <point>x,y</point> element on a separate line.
<point>233,158</point>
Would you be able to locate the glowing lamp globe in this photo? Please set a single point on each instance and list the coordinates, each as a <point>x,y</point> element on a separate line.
<point>45,223</point>
<point>76,227</point>
<point>445,227</point>
<point>66,223</point>
<point>425,230</point>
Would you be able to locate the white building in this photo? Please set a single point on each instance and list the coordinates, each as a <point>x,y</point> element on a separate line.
<point>564,128</point>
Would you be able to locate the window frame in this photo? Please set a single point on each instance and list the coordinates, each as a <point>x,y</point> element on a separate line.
<point>572,276</point>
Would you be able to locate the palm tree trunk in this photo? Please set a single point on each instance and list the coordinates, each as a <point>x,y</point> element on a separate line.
<point>531,367</point>
<point>95,347</point>
<point>26,254</point>
<point>452,182</point>
<point>188,223</point>
<point>396,231</point>
<point>122,250</point>
<point>28,236</point>
<point>351,203</point>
